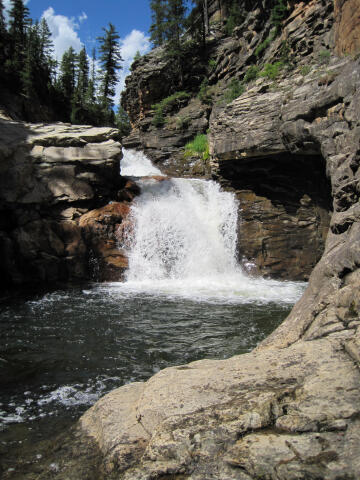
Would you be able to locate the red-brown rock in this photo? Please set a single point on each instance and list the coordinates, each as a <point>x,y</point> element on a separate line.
<point>347,26</point>
<point>100,229</point>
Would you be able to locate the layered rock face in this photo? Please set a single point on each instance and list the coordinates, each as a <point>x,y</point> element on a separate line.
<point>285,198</point>
<point>51,175</point>
<point>290,409</point>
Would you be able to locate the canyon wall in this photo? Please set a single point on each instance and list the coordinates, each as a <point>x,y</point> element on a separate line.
<point>284,196</point>
<point>288,410</point>
<point>52,178</point>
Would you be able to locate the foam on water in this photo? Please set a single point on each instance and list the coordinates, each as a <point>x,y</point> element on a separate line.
<point>183,243</point>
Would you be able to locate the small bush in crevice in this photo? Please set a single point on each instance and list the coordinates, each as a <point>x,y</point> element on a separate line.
<point>278,13</point>
<point>251,73</point>
<point>204,94</point>
<point>166,104</point>
<point>182,123</point>
<point>235,17</point>
<point>304,70</point>
<point>199,147</point>
<point>271,70</point>
<point>263,45</point>
<point>234,90</point>
<point>212,64</point>
<point>158,118</point>
<point>324,56</point>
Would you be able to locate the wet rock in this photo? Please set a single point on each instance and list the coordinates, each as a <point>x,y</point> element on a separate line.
<point>100,229</point>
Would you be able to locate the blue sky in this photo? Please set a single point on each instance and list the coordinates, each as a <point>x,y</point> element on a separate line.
<point>78,22</point>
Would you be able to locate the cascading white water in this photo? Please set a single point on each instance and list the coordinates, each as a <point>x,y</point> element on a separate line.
<point>137,164</point>
<point>183,241</point>
<point>184,229</point>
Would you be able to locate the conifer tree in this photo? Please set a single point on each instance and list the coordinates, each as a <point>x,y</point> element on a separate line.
<point>46,47</point>
<point>110,59</point>
<point>91,89</point>
<point>46,64</point>
<point>3,42</point>
<point>29,73</point>
<point>68,74</point>
<point>158,17</point>
<point>174,27</point>
<point>82,76</point>
<point>19,21</point>
<point>122,122</point>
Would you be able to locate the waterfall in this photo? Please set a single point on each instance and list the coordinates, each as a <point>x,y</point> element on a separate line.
<point>182,241</point>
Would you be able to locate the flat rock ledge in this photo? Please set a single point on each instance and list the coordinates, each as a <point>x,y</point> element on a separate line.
<point>290,409</point>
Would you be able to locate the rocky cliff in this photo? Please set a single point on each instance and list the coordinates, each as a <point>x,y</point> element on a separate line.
<point>285,196</point>
<point>52,179</point>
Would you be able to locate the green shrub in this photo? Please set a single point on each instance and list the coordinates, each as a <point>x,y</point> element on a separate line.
<point>235,17</point>
<point>234,90</point>
<point>158,118</point>
<point>182,123</point>
<point>278,13</point>
<point>271,70</point>
<point>251,73</point>
<point>212,64</point>
<point>263,46</point>
<point>285,53</point>
<point>304,70</point>
<point>199,147</point>
<point>324,56</point>
<point>204,94</point>
<point>166,104</point>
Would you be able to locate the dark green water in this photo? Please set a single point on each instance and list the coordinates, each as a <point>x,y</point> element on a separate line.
<point>61,351</point>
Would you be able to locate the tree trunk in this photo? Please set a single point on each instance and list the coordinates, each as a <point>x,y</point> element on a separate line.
<point>206,17</point>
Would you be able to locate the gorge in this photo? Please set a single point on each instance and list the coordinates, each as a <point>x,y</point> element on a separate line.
<point>286,155</point>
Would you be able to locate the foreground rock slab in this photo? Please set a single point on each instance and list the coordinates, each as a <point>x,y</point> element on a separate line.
<point>282,414</point>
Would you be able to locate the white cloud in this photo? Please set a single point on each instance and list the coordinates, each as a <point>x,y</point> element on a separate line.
<point>82,17</point>
<point>63,30</point>
<point>133,42</point>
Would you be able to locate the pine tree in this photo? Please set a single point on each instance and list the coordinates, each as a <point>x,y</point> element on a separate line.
<point>30,69</point>
<point>196,21</point>
<point>82,76</point>
<point>158,17</point>
<point>46,48</point>
<point>38,65</point>
<point>19,22</point>
<point>174,28</point>
<point>3,42</point>
<point>110,59</point>
<point>68,75</point>
<point>91,89</point>
<point>122,122</point>
<point>46,62</point>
